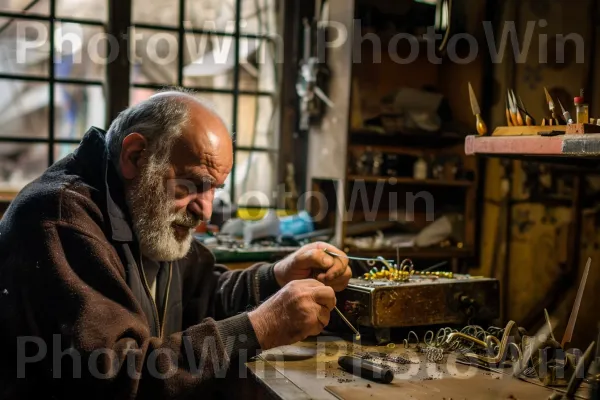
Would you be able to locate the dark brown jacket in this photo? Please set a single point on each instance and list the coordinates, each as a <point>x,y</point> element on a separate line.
<point>76,317</point>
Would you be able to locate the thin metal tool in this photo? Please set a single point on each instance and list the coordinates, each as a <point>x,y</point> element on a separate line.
<point>435,266</point>
<point>529,121</point>
<point>516,108</point>
<point>551,106</point>
<point>565,114</point>
<point>580,372</point>
<point>513,109</point>
<point>356,332</point>
<point>573,318</point>
<point>479,123</point>
<point>331,253</point>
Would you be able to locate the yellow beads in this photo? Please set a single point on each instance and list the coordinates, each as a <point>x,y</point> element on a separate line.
<point>403,276</point>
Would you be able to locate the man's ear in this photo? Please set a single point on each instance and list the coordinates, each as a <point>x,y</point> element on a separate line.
<point>132,155</point>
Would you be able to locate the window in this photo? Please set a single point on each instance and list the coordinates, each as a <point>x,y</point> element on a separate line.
<point>225,50</point>
<point>46,107</point>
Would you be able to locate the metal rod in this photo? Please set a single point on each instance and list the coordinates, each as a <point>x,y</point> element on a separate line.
<point>198,31</point>
<point>40,17</point>
<point>205,89</point>
<point>356,332</point>
<point>355,258</point>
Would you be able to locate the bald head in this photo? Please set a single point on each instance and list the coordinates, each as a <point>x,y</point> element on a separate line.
<point>172,151</point>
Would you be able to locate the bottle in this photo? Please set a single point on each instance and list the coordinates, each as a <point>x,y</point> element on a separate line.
<point>420,169</point>
<point>581,110</point>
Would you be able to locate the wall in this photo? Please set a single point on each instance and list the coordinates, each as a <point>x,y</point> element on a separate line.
<point>539,233</point>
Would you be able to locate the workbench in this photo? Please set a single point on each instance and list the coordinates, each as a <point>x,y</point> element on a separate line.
<point>309,370</point>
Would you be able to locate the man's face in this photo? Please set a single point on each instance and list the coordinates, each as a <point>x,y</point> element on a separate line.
<point>168,202</point>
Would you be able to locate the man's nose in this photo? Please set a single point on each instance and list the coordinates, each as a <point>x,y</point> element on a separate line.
<point>202,205</point>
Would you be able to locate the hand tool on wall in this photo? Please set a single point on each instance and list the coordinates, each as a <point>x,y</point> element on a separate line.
<point>566,114</point>
<point>513,109</point>
<point>554,120</point>
<point>480,125</point>
<point>516,108</point>
<point>529,121</point>
<point>573,318</point>
<point>508,119</point>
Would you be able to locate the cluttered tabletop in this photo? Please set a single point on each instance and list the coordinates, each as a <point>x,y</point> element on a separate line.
<point>330,367</point>
<point>404,339</point>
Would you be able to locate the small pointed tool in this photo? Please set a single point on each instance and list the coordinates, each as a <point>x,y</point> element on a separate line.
<point>573,318</point>
<point>529,121</point>
<point>516,108</point>
<point>513,109</point>
<point>566,114</point>
<point>508,119</point>
<point>481,127</point>
<point>551,106</point>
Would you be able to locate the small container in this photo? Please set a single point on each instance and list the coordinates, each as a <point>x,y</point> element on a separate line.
<point>420,169</point>
<point>581,111</point>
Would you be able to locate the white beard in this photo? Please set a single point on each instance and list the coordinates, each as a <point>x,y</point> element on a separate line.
<point>153,219</point>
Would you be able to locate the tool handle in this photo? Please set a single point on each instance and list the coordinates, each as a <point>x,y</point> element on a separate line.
<point>528,120</point>
<point>481,127</point>
<point>366,369</point>
<point>508,120</point>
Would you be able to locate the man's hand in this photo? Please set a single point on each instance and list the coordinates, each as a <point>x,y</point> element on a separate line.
<point>312,261</point>
<point>300,309</point>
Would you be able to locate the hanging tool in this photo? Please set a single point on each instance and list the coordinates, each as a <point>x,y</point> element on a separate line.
<point>554,120</point>
<point>508,119</point>
<point>480,125</point>
<point>529,121</point>
<point>513,109</point>
<point>566,114</point>
<point>514,102</point>
<point>573,318</point>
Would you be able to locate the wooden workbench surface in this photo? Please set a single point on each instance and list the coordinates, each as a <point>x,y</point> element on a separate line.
<point>309,370</point>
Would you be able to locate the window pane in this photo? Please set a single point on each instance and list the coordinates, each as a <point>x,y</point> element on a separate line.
<point>163,12</point>
<point>77,108</point>
<point>208,61</point>
<point>258,17</point>
<point>257,125</point>
<point>255,176</point>
<point>257,65</point>
<point>222,103</point>
<point>23,108</point>
<point>21,6</point>
<point>63,150</point>
<point>81,51</point>
<point>96,10</point>
<point>155,58</point>
<point>210,15</point>
<point>24,47</point>
<point>20,163</point>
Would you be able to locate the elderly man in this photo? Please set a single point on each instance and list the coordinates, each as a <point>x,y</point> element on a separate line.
<point>103,291</point>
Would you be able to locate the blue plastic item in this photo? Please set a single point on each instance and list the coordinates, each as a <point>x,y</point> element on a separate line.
<point>298,224</point>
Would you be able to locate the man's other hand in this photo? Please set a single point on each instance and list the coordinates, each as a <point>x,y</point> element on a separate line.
<point>311,261</point>
<point>299,310</point>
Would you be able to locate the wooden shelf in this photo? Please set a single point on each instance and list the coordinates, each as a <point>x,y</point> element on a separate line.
<point>411,181</point>
<point>587,145</point>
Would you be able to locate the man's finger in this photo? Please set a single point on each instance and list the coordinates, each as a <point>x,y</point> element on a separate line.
<point>336,271</point>
<point>324,296</point>
<point>316,259</point>
<point>324,315</point>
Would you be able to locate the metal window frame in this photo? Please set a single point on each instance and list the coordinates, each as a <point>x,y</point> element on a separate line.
<point>117,83</point>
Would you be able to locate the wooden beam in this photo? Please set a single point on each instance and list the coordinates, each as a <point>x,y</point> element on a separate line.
<point>118,79</point>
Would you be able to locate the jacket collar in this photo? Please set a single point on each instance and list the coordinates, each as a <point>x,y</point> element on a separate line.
<point>93,153</point>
